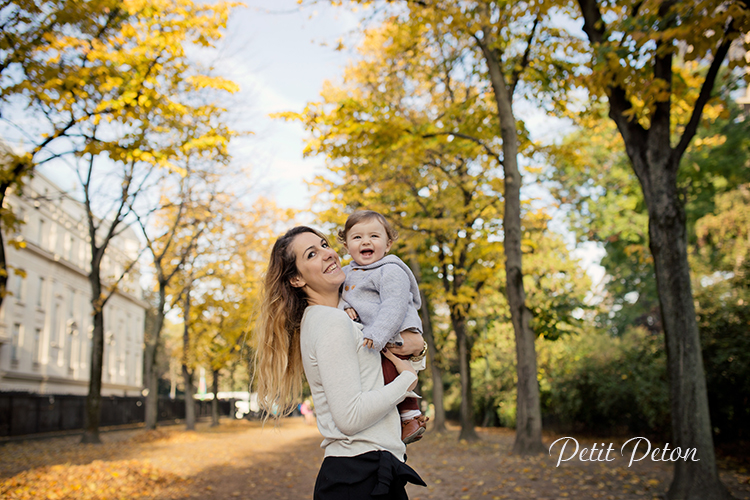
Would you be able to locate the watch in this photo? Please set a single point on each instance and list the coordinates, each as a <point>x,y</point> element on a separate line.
<point>421,355</point>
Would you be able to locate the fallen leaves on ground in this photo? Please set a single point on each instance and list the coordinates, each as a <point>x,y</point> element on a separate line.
<point>94,481</point>
<point>246,460</point>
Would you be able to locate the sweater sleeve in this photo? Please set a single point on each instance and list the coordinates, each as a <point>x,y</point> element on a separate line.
<point>394,303</point>
<point>352,408</point>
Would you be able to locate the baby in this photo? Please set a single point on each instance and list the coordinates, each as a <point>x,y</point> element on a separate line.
<point>381,291</point>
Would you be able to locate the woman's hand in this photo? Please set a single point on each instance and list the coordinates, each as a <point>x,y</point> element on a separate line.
<point>413,344</point>
<point>401,365</point>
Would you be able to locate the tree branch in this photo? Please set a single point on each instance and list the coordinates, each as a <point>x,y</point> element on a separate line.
<point>525,59</point>
<point>705,94</point>
<point>489,150</point>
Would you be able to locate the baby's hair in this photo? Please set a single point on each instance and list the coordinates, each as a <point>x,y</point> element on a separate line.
<point>365,215</point>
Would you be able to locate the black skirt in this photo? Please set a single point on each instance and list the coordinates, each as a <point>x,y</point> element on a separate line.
<point>376,475</point>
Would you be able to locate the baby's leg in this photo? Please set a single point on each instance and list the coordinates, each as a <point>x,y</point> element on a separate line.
<point>412,421</point>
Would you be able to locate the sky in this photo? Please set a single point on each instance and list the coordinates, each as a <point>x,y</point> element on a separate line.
<point>281,54</point>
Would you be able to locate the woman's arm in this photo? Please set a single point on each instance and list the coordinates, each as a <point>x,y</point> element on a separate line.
<point>354,409</point>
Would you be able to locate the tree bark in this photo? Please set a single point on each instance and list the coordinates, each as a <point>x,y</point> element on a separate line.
<point>691,425</point>
<point>92,414</point>
<point>466,416</point>
<point>438,420</point>
<point>215,400</point>
<point>151,360</point>
<point>528,407</point>
<point>656,164</point>
<point>13,178</point>
<point>186,374</point>
<point>3,264</point>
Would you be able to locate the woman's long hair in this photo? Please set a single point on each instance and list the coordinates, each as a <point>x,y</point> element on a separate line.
<point>278,360</point>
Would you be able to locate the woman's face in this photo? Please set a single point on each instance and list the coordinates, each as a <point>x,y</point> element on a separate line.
<point>318,265</point>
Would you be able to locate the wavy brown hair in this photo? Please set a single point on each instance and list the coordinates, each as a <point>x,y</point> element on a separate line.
<point>278,361</point>
<point>362,216</point>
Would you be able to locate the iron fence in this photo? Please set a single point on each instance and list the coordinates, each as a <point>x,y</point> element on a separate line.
<point>27,413</point>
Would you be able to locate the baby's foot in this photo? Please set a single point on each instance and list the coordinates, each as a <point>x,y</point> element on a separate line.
<point>411,430</point>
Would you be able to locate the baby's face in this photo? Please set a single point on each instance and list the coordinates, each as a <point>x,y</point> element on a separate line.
<point>367,242</point>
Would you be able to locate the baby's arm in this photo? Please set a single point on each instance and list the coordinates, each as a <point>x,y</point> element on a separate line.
<point>394,290</point>
<point>354,316</point>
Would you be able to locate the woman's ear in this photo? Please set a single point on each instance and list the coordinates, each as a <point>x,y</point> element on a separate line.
<point>297,282</point>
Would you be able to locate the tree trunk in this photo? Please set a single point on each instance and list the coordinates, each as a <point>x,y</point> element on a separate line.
<point>187,377</point>
<point>92,415</point>
<point>466,417</point>
<point>13,178</point>
<point>3,265</point>
<point>691,425</point>
<point>656,164</point>
<point>186,374</point>
<point>151,360</point>
<point>528,407</point>
<point>438,420</point>
<point>215,401</point>
<point>152,399</point>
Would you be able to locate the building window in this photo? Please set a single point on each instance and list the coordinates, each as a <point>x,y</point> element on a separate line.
<point>54,341</point>
<point>68,247</point>
<point>15,344</point>
<point>41,228</point>
<point>71,303</point>
<point>53,238</point>
<point>40,293</point>
<point>18,286</point>
<point>69,350</point>
<point>36,354</point>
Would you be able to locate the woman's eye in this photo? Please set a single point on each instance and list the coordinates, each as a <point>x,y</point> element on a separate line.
<point>311,255</point>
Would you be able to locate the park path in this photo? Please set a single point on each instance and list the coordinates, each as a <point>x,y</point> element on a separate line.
<point>244,460</point>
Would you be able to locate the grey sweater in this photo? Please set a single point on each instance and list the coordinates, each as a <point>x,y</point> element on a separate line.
<point>385,294</point>
<point>356,413</point>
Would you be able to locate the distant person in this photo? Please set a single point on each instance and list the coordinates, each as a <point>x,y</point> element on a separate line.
<point>301,328</point>
<point>382,292</point>
<point>307,412</point>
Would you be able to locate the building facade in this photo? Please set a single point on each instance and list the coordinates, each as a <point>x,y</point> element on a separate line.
<point>46,321</point>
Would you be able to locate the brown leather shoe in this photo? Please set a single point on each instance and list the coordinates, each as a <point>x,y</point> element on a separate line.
<point>411,431</point>
<point>422,419</point>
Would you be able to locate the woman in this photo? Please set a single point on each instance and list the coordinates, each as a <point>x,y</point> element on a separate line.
<point>300,328</point>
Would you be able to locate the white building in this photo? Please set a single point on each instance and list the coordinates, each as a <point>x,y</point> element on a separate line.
<point>46,320</point>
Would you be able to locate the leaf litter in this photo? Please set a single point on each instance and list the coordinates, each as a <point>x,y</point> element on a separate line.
<point>246,460</point>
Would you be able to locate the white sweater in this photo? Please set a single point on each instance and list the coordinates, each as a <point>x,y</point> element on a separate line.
<point>356,412</point>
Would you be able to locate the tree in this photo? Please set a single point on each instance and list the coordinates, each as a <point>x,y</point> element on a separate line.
<point>182,217</point>
<point>386,137</point>
<point>634,47</point>
<point>218,281</point>
<point>519,52</point>
<point>139,86</point>
<point>30,37</point>
<point>592,178</point>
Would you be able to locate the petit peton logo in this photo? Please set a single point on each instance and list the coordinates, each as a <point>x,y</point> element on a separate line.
<point>595,454</point>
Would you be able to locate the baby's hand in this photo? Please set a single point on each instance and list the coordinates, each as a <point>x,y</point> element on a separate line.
<point>352,313</point>
<point>368,343</point>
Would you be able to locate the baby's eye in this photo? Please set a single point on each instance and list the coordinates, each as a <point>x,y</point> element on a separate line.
<point>355,237</point>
